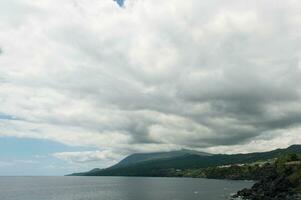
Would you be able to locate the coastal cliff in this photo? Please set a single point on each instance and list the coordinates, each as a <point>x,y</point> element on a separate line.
<point>282,183</point>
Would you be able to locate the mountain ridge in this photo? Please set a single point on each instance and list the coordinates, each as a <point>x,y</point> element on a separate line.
<point>181,160</point>
<point>142,157</point>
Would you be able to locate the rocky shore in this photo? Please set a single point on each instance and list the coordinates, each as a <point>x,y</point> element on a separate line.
<point>283,183</point>
<point>277,188</point>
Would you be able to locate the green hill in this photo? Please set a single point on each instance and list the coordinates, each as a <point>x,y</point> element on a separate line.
<point>159,164</point>
<point>142,157</point>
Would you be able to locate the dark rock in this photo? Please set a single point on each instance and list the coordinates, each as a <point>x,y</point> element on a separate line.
<point>271,188</point>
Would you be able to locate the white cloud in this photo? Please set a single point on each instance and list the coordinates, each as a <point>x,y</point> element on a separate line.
<point>266,142</point>
<point>104,158</point>
<point>13,163</point>
<point>5,164</point>
<point>153,76</point>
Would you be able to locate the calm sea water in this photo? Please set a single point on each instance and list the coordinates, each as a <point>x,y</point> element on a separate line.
<point>116,188</point>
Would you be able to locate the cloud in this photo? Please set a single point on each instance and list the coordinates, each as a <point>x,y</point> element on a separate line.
<point>104,158</point>
<point>153,76</point>
<point>5,164</point>
<point>13,163</point>
<point>26,161</point>
<point>264,142</point>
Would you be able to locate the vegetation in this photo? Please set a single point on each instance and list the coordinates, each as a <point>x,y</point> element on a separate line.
<point>233,172</point>
<point>191,164</point>
<point>283,181</point>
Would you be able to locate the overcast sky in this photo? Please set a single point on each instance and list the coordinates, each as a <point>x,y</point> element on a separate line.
<point>85,83</point>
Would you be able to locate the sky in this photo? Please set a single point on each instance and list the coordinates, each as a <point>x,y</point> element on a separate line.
<point>85,83</point>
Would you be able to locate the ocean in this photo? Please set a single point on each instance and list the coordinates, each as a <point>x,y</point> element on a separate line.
<point>117,188</point>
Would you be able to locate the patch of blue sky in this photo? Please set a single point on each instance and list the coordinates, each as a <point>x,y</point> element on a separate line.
<point>120,2</point>
<point>7,117</point>
<point>11,147</point>
<point>23,156</point>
